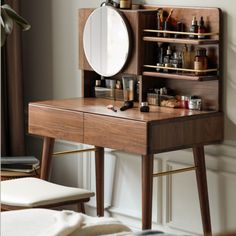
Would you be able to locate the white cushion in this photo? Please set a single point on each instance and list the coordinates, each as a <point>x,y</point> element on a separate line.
<point>34,192</point>
<point>44,222</point>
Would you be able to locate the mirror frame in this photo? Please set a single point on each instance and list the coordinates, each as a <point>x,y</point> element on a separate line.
<point>126,26</point>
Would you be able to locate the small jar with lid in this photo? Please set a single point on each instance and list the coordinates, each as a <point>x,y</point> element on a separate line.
<point>125,4</point>
<point>200,61</point>
<point>184,102</point>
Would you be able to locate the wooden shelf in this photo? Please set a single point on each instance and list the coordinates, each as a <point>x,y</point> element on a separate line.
<point>180,76</point>
<point>180,33</point>
<point>181,40</point>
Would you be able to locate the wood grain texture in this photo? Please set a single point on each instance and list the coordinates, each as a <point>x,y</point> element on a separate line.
<point>181,134</point>
<point>48,145</point>
<point>121,134</point>
<point>180,76</point>
<point>99,169</point>
<point>56,123</point>
<point>98,106</point>
<point>83,16</point>
<point>147,189</point>
<point>199,159</point>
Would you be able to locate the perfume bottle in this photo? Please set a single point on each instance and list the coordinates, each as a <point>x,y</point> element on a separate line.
<point>193,28</point>
<point>201,28</point>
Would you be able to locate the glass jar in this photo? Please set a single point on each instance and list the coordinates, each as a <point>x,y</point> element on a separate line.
<point>200,61</point>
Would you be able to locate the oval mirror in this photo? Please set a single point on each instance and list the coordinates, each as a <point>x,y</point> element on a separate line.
<point>106,41</point>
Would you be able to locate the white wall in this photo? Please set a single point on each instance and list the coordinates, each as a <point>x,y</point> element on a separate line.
<point>51,71</point>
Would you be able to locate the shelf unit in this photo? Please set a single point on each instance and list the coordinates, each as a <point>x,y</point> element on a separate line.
<point>142,59</point>
<point>181,72</point>
<point>185,81</point>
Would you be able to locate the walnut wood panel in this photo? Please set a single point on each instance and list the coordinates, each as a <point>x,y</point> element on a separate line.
<point>83,16</point>
<point>133,63</point>
<point>121,134</point>
<point>56,123</point>
<point>180,134</point>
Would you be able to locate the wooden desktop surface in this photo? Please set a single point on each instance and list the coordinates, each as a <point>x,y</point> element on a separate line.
<point>89,121</point>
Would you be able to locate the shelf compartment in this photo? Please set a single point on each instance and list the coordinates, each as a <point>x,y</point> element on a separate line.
<point>181,40</point>
<point>180,76</point>
<point>180,33</point>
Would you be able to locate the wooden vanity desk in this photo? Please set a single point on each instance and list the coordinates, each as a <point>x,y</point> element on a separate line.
<point>88,120</point>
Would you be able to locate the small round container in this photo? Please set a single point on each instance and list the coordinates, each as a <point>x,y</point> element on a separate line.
<point>195,104</point>
<point>144,107</point>
<point>125,4</point>
<point>159,69</point>
<point>98,83</point>
<point>184,102</point>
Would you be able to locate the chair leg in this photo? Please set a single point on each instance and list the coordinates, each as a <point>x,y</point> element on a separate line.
<point>199,159</point>
<point>81,207</point>
<point>48,144</point>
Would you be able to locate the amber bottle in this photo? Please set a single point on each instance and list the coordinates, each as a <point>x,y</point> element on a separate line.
<point>200,61</point>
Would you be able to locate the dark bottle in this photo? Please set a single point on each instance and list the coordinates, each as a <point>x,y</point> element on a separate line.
<point>167,58</point>
<point>193,28</point>
<point>201,28</point>
<point>200,61</point>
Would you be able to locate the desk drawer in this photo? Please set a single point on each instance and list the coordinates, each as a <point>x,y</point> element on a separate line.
<point>56,123</point>
<point>116,133</point>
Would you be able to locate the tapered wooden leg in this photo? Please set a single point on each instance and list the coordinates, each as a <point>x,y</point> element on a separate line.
<point>99,162</point>
<point>199,159</point>
<point>48,144</point>
<point>81,208</point>
<point>147,188</point>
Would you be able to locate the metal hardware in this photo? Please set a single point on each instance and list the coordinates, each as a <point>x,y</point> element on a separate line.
<point>174,171</point>
<point>74,151</point>
<point>177,32</point>
<point>181,69</point>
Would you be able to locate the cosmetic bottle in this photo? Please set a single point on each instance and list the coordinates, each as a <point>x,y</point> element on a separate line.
<point>179,28</point>
<point>160,57</point>
<point>200,61</point>
<point>201,28</point>
<point>186,58</point>
<point>193,28</point>
<point>167,58</point>
<point>125,4</point>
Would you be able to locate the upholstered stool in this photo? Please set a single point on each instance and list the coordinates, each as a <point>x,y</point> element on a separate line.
<point>32,192</point>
